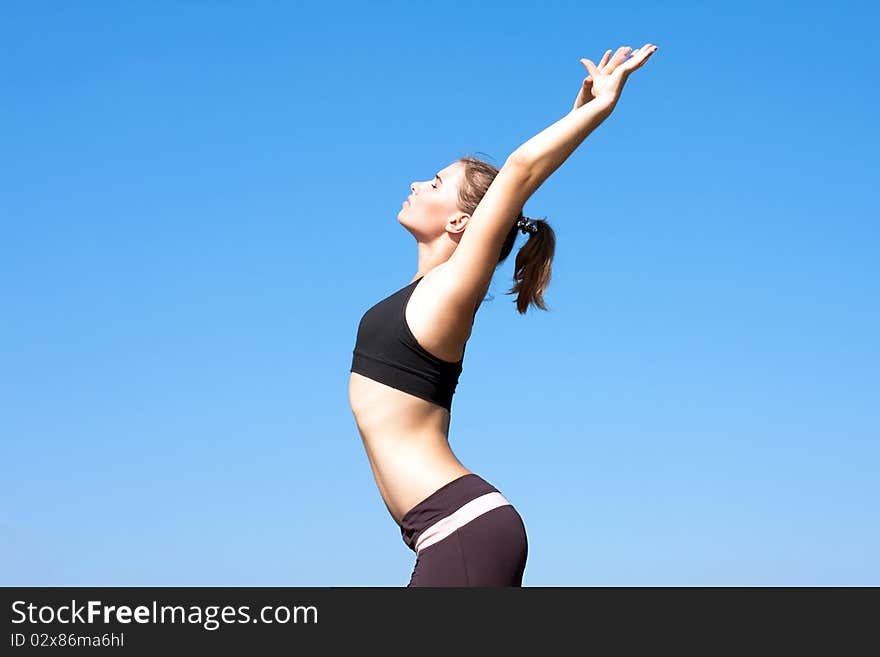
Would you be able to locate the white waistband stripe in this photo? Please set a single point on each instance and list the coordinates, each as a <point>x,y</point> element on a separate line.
<point>473,509</point>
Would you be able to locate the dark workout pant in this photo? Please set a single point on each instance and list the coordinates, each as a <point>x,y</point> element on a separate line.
<point>488,550</point>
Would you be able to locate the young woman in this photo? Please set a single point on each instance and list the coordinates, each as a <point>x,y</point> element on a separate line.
<point>410,346</point>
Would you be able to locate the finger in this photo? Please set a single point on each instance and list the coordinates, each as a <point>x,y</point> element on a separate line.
<point>619,56</point>
<point>591,67</point>
<point>647,49</point>
<point>586,89</point>
<point>585,94</point>
<point>590,73</point>
<point>640,56</point>
<point>636,55</point>
<point>605,58</point>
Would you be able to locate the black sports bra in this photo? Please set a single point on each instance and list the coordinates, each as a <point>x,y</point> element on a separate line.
<point>387,351</point>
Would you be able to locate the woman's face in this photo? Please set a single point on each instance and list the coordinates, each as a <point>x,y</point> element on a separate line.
<point>432,203</point>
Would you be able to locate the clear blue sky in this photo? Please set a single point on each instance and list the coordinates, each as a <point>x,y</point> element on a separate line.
<point>199,201</point>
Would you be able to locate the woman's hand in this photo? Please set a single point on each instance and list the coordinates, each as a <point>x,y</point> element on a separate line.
<point>606,81</point>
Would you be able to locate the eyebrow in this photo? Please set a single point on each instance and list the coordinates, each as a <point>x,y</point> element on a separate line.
<point>437,175</point>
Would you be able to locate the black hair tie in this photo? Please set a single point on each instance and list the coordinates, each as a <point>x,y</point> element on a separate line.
<point>527,225</point>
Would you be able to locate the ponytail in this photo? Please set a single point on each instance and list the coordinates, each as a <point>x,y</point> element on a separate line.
<point>531,274</point>
<point>532,269</point>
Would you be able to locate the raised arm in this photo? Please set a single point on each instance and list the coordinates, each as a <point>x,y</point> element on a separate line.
<point>546,151</point>
<point>474,260</point>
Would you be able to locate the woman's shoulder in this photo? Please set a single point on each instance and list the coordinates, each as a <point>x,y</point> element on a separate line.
<point>436,316</point>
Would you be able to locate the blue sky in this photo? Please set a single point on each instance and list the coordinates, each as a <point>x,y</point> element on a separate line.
<point>199,201</point>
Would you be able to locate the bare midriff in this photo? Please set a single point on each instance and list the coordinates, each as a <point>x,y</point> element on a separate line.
<point>407,443</point>
<point>407,437</point>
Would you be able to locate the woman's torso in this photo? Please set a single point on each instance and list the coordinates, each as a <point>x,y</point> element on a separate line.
<point>405,436</point>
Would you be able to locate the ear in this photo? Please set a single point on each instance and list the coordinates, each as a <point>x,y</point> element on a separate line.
<point>459,222</point>
<point>475,258</point>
